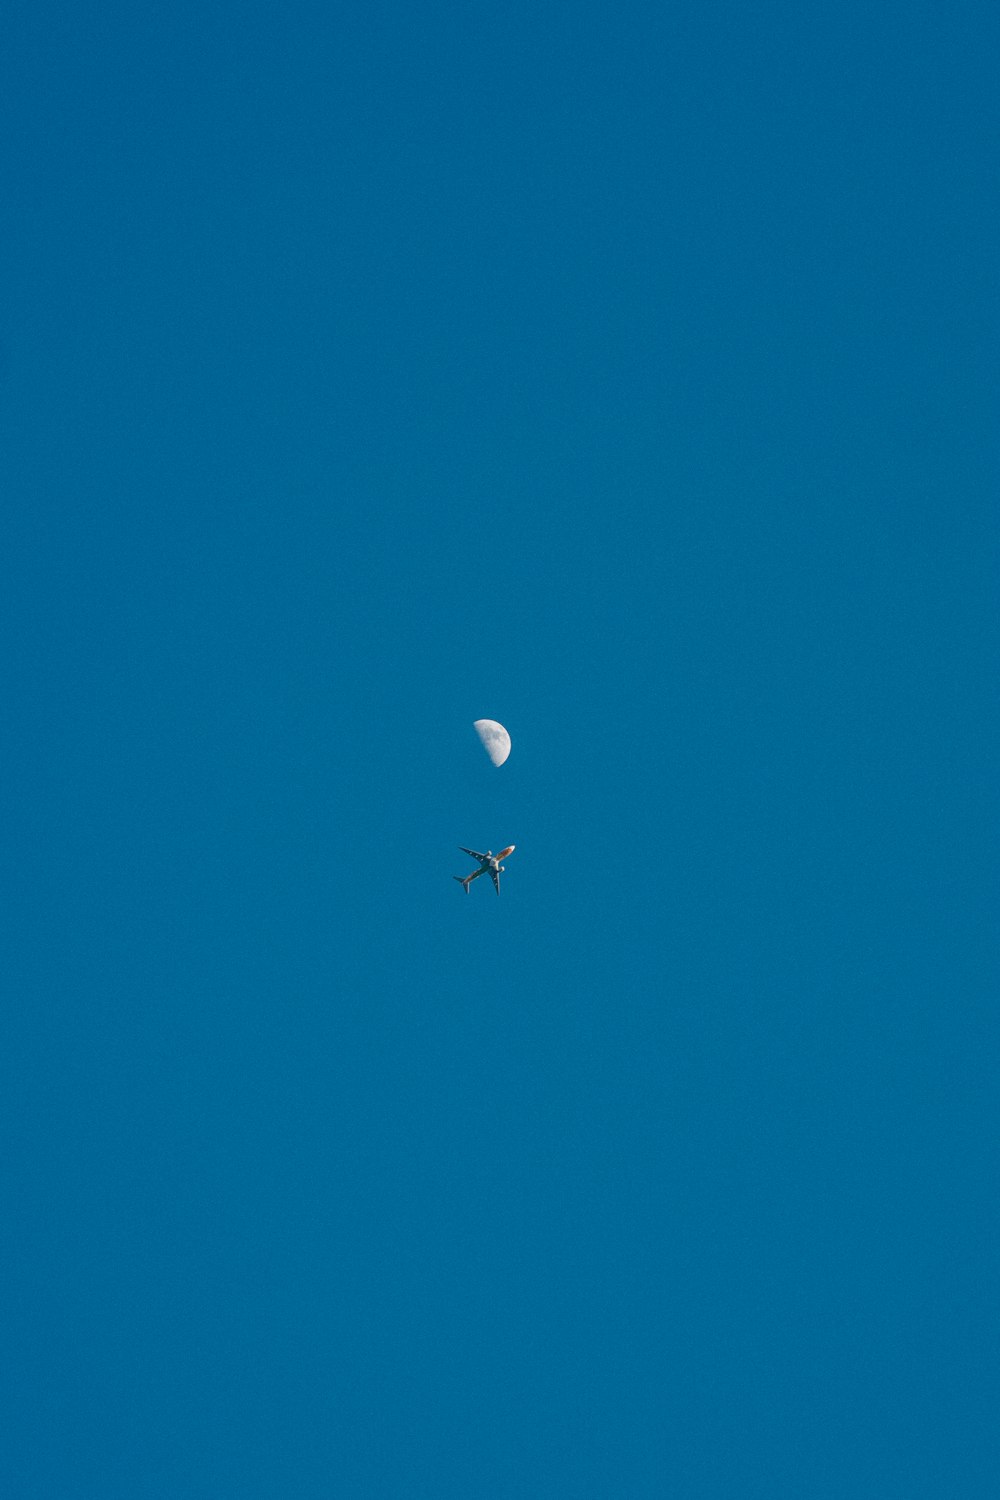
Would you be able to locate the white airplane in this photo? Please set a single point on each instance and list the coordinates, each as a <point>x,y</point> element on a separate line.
<point>489,864</point>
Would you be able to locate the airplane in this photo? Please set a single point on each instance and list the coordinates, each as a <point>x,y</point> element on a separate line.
<point>489,864</point>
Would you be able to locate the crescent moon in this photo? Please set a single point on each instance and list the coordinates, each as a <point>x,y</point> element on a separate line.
<point>494,739</point>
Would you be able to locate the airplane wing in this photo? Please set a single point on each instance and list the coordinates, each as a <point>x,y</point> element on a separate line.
<point>496,879</point>
<point>472,852</point>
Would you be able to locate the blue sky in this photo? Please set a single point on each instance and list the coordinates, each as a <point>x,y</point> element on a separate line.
<point>629,378</point>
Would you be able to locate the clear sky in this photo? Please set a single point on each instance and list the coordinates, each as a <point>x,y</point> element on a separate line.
<point>628,375</point>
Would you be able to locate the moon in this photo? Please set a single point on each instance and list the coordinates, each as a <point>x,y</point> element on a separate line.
<point>494,739</point>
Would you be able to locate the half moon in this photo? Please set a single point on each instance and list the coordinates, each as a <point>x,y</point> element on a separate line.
<point>494,739</point>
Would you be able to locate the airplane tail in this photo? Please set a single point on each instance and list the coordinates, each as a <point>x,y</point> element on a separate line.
<point>462,882</point>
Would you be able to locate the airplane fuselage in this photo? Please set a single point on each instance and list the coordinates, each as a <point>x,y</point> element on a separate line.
<point>493,860</point>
